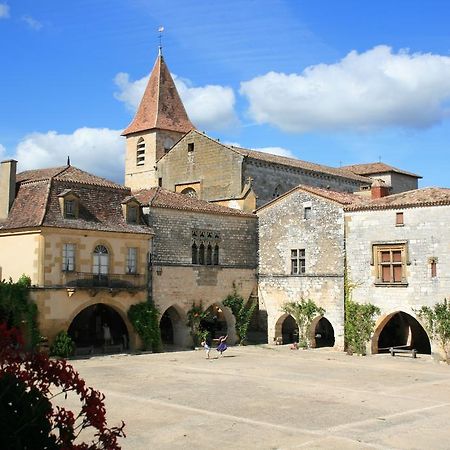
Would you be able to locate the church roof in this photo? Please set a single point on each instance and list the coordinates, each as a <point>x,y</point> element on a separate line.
<point>158,197</point>
<point>376,168</point>
<point>161,106</point>
<point>430,196</point>
<point>298,163</point>
<point>343,198</point>
<point>37,202</point>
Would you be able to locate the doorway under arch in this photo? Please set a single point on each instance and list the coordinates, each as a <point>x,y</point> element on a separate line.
<point>322,333</point>
<point>216,323</point>
<point>88,328</point>
<point>400,329</point>
<point>289,330</point>
<point>172,326</point>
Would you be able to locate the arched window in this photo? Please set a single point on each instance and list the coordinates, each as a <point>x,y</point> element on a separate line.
<point>140,152</point>
<point>194,253</point>
<point>216,255</point>
<point>209,255</point>
<point>100,260</point>
<point>190,192</point>
<point>201,254</point>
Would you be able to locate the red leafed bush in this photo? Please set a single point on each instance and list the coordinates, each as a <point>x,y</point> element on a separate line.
<point>28,418</point>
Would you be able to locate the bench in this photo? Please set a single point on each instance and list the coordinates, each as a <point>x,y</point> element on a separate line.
<point>394,350</point>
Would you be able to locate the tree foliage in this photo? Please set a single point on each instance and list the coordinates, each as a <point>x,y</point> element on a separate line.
<point>17,310</point>
<point>63,345</point>
<point>31,418</point>
<point>242,313</point>
<point>303,312</point>
<point>145,320</point>
<point>437,323</point>
<point>195,315</point>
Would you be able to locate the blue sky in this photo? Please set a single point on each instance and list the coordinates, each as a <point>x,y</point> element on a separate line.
<point>334,82</point>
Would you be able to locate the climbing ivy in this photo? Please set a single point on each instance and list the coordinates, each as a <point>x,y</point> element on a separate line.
<point>242,312</point>
<point>194,317</point>
<point>303,312</point>
<point>63,345</point>
<point>437,323</point>
<point>17,310</point>
<point>145,320</point>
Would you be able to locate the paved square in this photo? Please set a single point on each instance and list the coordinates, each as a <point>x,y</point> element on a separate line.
<point>274,398</point>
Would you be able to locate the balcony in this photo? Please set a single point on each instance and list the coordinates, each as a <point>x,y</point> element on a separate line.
<point>113,282</point>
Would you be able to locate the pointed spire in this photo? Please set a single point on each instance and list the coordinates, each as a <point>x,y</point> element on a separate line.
<point>161,106</point>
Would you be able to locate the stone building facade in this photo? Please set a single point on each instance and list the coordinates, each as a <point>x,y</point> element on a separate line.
<point>301,256</point>
<point>398,252</point>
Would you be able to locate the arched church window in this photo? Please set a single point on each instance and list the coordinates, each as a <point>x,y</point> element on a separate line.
<point>194,253</point>
<point>209,255</point>
<point>140,152</point>
<point>190,192</point>
<point>201,254</point>
<point>216,255</point>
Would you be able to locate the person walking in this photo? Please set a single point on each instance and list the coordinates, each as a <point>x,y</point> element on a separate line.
<point>207,347</point>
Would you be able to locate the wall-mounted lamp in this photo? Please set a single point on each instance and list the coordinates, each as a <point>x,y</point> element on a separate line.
<point>159,270</point>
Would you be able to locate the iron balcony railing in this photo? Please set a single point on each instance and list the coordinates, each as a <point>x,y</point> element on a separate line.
<point>110,281</point>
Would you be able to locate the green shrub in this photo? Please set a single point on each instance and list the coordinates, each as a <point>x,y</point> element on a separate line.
<point>437,323</point>
<point>194,317</point>
<point>63,345</point>
<point>303,313</point>
<point>145,319</point>
<point>241,312</point>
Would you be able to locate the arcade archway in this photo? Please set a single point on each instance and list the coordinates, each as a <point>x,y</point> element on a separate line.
<point>172,327</point>
<point>286,330</point>
<point>100,327</point>
<point>402,330</point>
<point>217,322</point>
<point>322,333</point>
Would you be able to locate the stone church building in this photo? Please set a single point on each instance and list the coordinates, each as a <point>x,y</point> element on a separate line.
<point>198,220</point>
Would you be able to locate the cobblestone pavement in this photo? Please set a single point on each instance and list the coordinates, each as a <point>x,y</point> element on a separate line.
<point>274,398</point>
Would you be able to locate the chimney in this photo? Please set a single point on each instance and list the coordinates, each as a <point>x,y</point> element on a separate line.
<point>7,186</point>
<point>379,189</point>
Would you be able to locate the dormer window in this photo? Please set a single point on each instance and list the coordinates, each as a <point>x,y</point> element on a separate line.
<point>131,210</point>
<point>140,152</point>
<point>69,203</point>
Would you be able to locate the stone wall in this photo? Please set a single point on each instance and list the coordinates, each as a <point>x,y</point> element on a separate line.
<point>425,231</point>
<point>272,180</point>
<point>283,228</point>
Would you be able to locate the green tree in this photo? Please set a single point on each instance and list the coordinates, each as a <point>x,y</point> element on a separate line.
<point>303,312</point>
<point>145,320</point>
<point>242,313</point>
<point>195,315</point>
<point>17,310</point>
<point>437,323</point>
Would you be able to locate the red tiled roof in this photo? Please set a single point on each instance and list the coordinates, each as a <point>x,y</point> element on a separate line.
<point>161,106</point>
<point>305,165</point>
<point>376,168</point>
<point>162,198</point>
<point>37,202</point>
<point>343,198</point>
<point>430,196</point>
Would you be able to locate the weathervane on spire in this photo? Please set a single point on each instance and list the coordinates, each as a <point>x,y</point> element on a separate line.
<point>160,31</point>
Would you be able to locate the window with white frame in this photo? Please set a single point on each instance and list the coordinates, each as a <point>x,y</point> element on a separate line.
<point>298,261</point>
<point>68,258</point>
<point>132,260</point>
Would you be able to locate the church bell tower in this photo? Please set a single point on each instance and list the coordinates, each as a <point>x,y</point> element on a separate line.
<point>159,123</point>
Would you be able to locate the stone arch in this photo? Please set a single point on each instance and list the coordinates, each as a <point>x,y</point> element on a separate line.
<point>85,326</point>
<point>221,322</point>
<point>286,329</point>
<point>321,333</point>
<point>190,192</point>
<point>172,325</point>
<point>400,328</point>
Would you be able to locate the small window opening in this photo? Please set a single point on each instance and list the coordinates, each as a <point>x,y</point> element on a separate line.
<point>307,212</point>
<point>201,254</point>
<point>190,147</point>
<point>433,267</point>
<point>132,214</point>
<point>194,253</point>
<point>399,219</point>
<point>298,261</point>
<point>209,255</point>
<point>69,209</point>
<point>216,255</point>
<point>160,182</point>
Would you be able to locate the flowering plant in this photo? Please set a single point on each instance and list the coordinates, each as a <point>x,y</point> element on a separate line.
<point>29,419</point>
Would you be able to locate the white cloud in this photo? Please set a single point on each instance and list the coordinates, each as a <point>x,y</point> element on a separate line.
<point>4,11</point>
<point>32,23</point>
<point>2,152</point>
<point>97,150</point>
<point>374,89</point>
<point>209,107</point>
<point>280,151</point>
